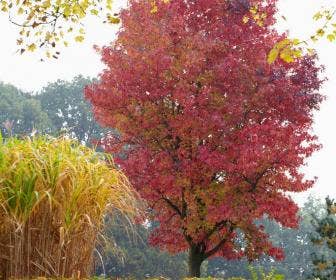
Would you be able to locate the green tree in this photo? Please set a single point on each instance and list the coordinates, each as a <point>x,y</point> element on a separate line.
<point>20,113</point>
<point>135,258</point>
<point>67,109</point>
<point>295,242</point>
<point>324,237</point>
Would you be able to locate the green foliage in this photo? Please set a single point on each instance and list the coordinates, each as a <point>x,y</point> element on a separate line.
<point>20,112</point>
<point>255,274</point>
<point>260,274</point>
<point>68,111</point>
<point>202,278</point>
<point>295,242</point>
<point>60,108</point>
<point>134,257</point>
<point>325,237</point>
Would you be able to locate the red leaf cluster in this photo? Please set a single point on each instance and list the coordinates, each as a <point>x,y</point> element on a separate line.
<point>210,134</point>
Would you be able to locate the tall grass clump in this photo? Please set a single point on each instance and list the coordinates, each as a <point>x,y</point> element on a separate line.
<point>54,195</point>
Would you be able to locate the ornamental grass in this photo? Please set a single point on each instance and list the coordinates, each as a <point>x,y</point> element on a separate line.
<point>54,195</point>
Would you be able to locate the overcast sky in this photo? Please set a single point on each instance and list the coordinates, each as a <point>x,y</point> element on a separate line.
<point>28,73</point>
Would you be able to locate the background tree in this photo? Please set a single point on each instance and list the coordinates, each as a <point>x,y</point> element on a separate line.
<point>60,107</point>
<point>295,242</point>
<point>68,110</point>
<point>215,134</point>
<point>133,257</point>
<point>20,112</point>
<point>324,237</point>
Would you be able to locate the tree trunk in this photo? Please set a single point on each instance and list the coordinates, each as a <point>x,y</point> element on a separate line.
<point>195,261</point>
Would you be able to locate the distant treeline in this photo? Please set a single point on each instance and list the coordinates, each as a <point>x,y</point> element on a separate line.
<point>59,107</point>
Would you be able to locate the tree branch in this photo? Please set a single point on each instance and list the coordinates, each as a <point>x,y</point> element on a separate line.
<point>217,226</point>
<point>172,205</point>
<point>219,244</point>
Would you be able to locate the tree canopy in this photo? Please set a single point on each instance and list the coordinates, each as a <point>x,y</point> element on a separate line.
<point>324,237</point>
<point>21,113</point>
<point>214,133</point>
<point>59,108</point>
<point>68,111</point>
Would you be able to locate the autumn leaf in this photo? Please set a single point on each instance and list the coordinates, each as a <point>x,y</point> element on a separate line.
<point>331,37</point>
<point>31,47</point>
<point>245,19</point>
<point>273,55</point>
<point>79,38</point>
<point>39,19</point>
<point>154,9</point>
<point>113,20</point>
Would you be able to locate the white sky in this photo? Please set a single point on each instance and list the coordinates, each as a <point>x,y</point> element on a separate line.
<point>28,73</point>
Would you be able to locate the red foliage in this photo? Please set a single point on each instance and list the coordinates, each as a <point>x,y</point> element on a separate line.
<point>215,135</point>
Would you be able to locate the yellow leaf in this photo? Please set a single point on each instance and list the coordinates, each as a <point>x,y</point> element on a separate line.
<point>154,9</point>
<point>254,10</point>
<point>331,37</point>
<point>311,51</point>
<point>320,32</point>
<point>245,19</point>
<point>94,12</point>
<point>273,55</point>
<point>31,47</point>
<point>79,38</point>
<point>260,23</point>
<point>113,20</point>
<point>296,42</point>
<point>283,43</point>
<point>46,4</point>
<point>67,11</point>
<point>109,4</point>
<point>286,55</point>
<point>317,16</point>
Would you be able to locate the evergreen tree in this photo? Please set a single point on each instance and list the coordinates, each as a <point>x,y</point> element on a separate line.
<point>324,237</point>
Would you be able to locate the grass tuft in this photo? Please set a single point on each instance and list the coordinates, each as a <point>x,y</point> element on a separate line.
<point>54,195</point>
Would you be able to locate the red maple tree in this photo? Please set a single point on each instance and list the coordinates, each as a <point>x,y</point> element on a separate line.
<point>212,136</point>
